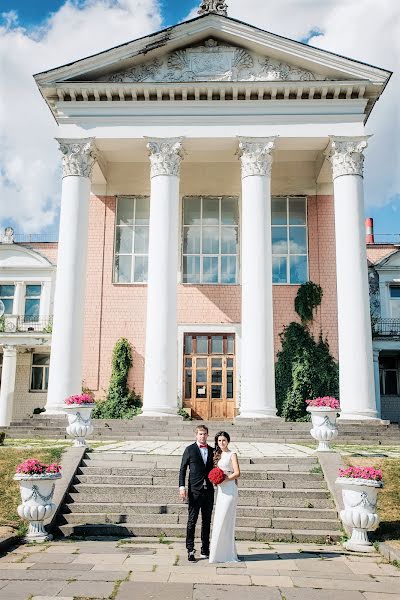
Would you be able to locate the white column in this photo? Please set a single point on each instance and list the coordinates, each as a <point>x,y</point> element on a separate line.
<point>356,375</point>
<point>19,297</point>
<point>257,349</point>
<point>7,388</point>
<point>160,375</point>
<point>65,376</point>
<point>377,382</point>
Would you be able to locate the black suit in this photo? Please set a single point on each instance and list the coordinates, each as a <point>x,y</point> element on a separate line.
<point>201,497</point>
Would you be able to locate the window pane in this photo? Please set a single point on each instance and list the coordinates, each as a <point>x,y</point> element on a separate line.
<point>188,383</point>
<point>141,263</point>
<point>188,344</point>
<point>6,290</point>
<point>191,269</point>
<point>201,363</point>
<point>41,359</point>
<point>141,240</point>
<point>279,211</point>
<point>123,242</point>
<point>216,391</point>
<point>279,240</point>
<point>202,344</point>
<point>210,269</point>
<point>298,269</point>
<point>216,363</point>
<point>33,290</point>
<point>191,211</point>
<point>142,211</point>
<point>46,378</point>
<point>201,376</point>
<point>125,208</point>
<point>297,211</point>
<point>228,240</point>
<point>210,240</point>
<point>279,269</point>
<point>297,240</point>
<point>210,211</point>
<point>229,363</point>
<point>191,240</point>
<point>394,292</point>
<point>216,376</point>
<point>123,266</point>
<point>37,378</point>
<point>391,383</point>
<point>188,362</point>
<point>231,345</point>
<point>32,307</point>
<point>228,269</point>
<point>229,211</point>
<point>8,306</point>
<point>217,344</point>
<point>229,384</point>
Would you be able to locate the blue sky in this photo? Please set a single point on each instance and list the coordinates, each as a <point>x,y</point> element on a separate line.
<point>327,23</point>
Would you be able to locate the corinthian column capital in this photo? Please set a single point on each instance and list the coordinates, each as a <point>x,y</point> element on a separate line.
<point>256,155</point>
<point>346,155</point>
<point>165,155</point>
<point>79,156</point>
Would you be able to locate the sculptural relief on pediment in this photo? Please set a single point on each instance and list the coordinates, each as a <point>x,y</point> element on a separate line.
<point>212,61</point>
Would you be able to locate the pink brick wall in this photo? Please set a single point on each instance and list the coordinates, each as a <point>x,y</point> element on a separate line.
<point>115,310</point>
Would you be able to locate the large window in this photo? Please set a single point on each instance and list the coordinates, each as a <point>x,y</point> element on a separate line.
<point>32,303</point>
<point>131,239</point>
<point>389,376</point>
<point>210,239</point>
<point>7,297</point>
<point>289,240</point>
<point>40,372</point>
<point>395,301</point>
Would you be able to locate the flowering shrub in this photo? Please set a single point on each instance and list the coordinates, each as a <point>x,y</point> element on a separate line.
<point>361,473</point>
<point>216,476</point>
<point>79,399</point>
<point>32,466</point>
<point>325,401</point>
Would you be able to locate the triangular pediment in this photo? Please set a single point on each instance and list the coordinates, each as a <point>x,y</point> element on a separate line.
<point>390,262</point>
<point>211,60</point>
<point>16,257</point>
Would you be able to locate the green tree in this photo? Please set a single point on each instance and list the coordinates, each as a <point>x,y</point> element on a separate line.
<point>120,402</point>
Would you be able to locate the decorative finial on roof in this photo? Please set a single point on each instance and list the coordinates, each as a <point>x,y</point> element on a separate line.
<point>219,7</point>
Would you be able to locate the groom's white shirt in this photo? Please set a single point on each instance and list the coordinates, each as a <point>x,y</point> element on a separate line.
<point>204,454</point>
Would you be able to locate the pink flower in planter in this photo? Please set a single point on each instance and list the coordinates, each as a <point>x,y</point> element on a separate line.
<point>361,473</point>
<point>79,399</point>
<point>32,466</point>
<point>325,401</point>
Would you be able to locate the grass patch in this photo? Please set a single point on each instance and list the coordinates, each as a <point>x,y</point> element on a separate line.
<point>388,497</point>
<point>9,490</point>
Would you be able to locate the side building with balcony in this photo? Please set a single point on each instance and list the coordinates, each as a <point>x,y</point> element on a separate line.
<point>27,277</point>
<point>384,285</point>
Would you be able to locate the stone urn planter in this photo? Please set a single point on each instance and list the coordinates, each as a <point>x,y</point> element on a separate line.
<point>324,412</point>
<point>79,422</point>
<point>360,510</point>
<point>37,492</point>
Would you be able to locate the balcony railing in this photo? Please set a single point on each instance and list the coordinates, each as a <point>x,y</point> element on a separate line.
<point>25,324</point>
<point>386,328</point>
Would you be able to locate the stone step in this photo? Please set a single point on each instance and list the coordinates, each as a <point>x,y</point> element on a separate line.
<point>241,533</point>
<point>145,468</point>
<point>181,509</point>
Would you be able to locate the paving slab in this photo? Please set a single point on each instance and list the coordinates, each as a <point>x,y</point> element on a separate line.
<point>75,567</point>
<point>18,590</point>
<point>130,590</point>
<point>233,592</point>
<point>81,588</point>
<point>309,594</point>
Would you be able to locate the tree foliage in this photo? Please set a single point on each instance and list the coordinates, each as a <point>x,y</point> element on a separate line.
<point>120,402</point>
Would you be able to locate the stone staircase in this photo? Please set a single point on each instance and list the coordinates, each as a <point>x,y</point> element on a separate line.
<point>123,494</point>
<point>276,430</point>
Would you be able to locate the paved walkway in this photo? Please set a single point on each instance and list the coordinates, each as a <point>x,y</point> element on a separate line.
<point>144,569</point>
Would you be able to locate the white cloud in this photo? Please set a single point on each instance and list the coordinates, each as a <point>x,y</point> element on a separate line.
<point>29,162</point>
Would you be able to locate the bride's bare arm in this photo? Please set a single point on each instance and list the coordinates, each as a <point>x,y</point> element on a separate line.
<point>236,468</point>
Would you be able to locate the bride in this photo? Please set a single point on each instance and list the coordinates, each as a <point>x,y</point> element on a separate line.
<point>223,547</point>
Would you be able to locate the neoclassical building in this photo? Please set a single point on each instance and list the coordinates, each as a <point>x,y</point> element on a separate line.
<point>208,170</point>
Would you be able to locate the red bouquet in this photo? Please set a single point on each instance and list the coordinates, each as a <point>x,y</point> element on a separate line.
<point>216,476</point>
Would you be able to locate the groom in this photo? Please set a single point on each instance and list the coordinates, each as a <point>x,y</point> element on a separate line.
<point>198,457</point>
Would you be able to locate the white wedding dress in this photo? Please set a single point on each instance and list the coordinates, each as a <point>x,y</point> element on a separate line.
<point>223,547</point>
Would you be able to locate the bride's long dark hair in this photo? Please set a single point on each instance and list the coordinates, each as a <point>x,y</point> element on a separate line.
<point>217,449</point>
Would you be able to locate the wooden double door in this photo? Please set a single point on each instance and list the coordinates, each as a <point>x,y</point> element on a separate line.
<point>209,375</point>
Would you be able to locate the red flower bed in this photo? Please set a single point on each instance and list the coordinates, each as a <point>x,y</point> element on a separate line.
<point>216,476</point>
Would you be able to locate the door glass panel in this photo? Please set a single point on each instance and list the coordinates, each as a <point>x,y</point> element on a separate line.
<point>216,391</point>
<point>216,376</point>
<point>216,363</point>
<point>201,376</point>
<point>201,391</point>
<point>201,363</point>
<point>229,384</point>
<point>202,344</point>
<point>188,383</point>
<point>231,344</point>
<point>217,344</point>
<point>188,344</point>
<point>229,363</point>
<point>188,362</point>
